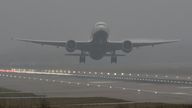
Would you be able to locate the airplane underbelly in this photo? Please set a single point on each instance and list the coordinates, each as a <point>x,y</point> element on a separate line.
<point>97,53</point>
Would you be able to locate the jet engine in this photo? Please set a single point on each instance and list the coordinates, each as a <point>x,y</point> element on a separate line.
<point>71,46</point>
<point>127,46</point>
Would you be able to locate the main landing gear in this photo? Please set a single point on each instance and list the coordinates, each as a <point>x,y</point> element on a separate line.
<point>113,58</point>
<point>82,57</point>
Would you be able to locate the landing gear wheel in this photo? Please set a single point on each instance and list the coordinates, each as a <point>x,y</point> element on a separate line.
<point>82,59</point>
<point>113,59</point>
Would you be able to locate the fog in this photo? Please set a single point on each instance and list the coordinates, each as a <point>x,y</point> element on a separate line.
<point>74,19</point>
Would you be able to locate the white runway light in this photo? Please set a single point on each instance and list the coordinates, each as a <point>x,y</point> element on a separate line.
<point>88,84</point>
<point>69,71</point>
<point>74,72</point>
<point>156,92</point>
<point>138,75</point>
<point>138,90</point>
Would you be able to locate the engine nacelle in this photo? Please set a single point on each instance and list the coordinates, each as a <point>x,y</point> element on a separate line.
<point>127,46</point>
<point>71,46</point>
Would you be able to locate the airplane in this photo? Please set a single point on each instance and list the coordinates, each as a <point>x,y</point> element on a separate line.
<point>99,46</point>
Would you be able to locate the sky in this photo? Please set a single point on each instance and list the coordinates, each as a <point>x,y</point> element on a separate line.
<point>74,19</point>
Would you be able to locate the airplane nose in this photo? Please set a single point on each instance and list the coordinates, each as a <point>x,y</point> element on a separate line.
<point>100,24</point>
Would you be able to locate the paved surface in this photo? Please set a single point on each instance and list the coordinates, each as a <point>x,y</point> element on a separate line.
<point>138,87</point>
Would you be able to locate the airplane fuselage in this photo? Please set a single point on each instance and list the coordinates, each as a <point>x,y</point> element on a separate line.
<point>99,40</point>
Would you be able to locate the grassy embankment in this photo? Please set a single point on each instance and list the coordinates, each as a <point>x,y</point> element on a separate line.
<point>16,99</point>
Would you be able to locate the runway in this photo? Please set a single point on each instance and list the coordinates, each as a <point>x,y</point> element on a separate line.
<point>139,87</point>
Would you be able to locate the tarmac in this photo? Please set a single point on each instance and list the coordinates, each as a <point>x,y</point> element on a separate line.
<point>135,87</point>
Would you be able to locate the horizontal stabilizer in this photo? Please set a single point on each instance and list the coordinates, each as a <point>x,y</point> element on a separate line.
<point>115,55</point>
<point>76,54</point>
<point>88,54</point>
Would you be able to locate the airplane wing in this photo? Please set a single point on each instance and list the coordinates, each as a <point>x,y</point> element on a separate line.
<point>42,42</point>
<point>80,45</point>
<point>110,46</point>
<point>139,43</point>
